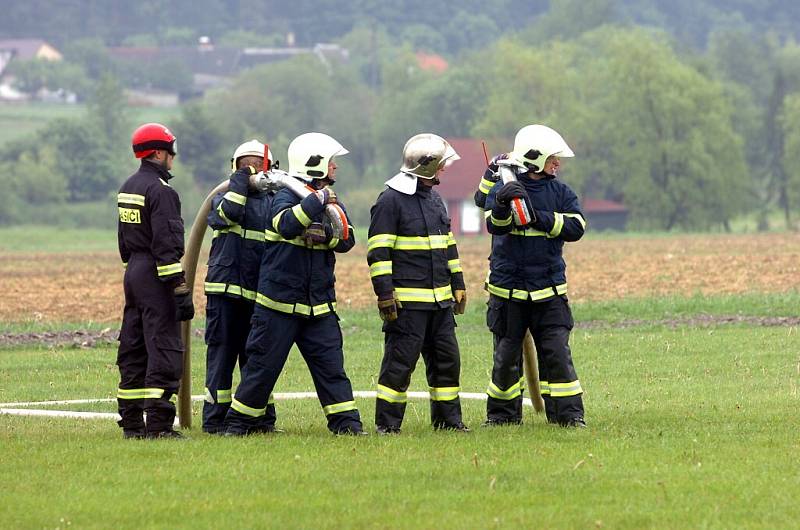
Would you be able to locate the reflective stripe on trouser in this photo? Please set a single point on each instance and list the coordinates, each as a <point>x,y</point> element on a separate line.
<point>319,340</point>
<point>150,354</point>
<point>433,334</point>
<point>227,328</point>
<point>550,323</point>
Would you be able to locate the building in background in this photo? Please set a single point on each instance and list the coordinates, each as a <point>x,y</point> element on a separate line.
<point>461,179</point>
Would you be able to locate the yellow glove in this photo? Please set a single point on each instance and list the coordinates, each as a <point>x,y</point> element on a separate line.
<point>460,296</point>
<point>387,307</point>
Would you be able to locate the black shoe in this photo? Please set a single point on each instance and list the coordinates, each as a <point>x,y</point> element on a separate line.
<point>133,434</point>
<point>574,423</point>
<point>457,427</point>
<point>351,431</point>
<point>264,429</point>
<point>170,434</point>
<point>500,423</point>
<point>383,430</point>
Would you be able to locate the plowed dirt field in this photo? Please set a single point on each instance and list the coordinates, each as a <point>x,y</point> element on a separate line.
<point>87,286</point>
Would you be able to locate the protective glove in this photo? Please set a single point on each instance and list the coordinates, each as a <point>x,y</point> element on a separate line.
<point>460,296</point>
<point>491,173</point>
<point>388,306</point>
<point>510,190</point>
<point>184,306</point>
<point>326,195</point>
<point>241,177</point>
<point>317,234</point>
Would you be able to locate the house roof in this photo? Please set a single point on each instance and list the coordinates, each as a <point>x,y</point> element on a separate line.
<point>26,49</point>
<point>462,177</point>
<point>432,62</point>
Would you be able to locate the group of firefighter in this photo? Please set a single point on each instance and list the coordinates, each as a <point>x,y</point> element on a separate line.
<point>270,285</point>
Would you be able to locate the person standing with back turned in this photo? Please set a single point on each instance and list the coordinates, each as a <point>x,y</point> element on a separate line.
<point>157,298</point>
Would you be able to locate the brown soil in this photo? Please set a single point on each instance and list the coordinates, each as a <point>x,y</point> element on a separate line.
<point>87,286</point>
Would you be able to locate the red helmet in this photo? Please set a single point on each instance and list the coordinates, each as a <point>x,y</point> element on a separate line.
<point>150,137</point>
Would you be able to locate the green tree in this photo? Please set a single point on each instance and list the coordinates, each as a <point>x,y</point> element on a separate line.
<point>204,146</point>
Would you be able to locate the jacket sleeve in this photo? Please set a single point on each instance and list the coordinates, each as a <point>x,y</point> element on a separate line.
<point>124,253</point>
<point>487,182</point>
<point>498,218</point>
<point>291,216</point>
<point>342,246</point>
<point>382,238</point>
<point>228,209</point>
<point>567,224</point>
<point>454,263</point>
<point>167,225</point>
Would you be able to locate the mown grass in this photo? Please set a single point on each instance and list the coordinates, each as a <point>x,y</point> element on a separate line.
<point>688,427</point>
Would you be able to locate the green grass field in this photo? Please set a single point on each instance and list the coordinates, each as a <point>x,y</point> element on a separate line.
<point>689,427</point>
<point>19,120</point>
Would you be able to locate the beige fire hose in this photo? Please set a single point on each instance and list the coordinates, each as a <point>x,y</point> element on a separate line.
<point>190,258</point>
<point>532,372</point>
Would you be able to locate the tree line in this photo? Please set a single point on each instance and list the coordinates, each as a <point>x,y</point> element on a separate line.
<point>687,138</point>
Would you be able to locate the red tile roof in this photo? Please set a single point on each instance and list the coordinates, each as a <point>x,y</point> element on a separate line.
<point>461,179</point>
<point>431,61</point>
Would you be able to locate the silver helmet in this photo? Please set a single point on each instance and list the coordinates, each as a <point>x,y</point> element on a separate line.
<point>425,154</point>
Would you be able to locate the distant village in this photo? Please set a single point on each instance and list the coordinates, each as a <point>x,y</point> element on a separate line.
<point>215,66</point>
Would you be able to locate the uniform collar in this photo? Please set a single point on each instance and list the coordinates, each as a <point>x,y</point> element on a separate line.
<point>151,166</point>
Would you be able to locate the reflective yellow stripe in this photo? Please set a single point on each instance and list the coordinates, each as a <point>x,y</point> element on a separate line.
<point>445,393</point>
<point>335,240</point>
<point>298,241</point>
<point>487,214</point>
<point>528,232</point>
<point>392,396</point>
<point>572,388</point>
<point>241,408</point>
<point>544,388</point>
<point>276,221</point>
<point>485,186</point>
<point>431,242</point>
<point>235,197</point>
<point>558,224</point>
<point>255,235</point>
<point>224,396</point>
<point>577,216</point>
<point>513,392</point>
<point>500,222</point>
<point>222,215</point>
<point>454,265</point>
<point>519,294</point>
<point>339,407</point>
<point>379,268</point>
<point>271,399</point>
<point>381,240</point>
<point>139,393</point>
<point>130,198</point>
<point>451,240</point>
<point>413,294</point>
<point>301,216</point>
<point>227,288</point>
<point>301,309</point>
<point>273,304</point>
<point>166,270</point>
<point>124,264</point>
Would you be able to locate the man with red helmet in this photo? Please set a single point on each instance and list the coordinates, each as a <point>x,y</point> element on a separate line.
<point>150,236</point>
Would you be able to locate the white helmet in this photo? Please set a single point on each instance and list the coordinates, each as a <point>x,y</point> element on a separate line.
<point>310,154</point>
<point>534,143</point>
<point>250,148</point>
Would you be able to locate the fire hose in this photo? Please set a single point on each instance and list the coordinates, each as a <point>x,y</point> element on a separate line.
<point>271,181</point>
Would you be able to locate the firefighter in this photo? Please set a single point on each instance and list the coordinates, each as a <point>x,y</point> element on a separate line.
<point>527,281</point>
<point>238,217</point>
<point>150,236</point>
<point>417,277</point>
<point>296,301</point>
